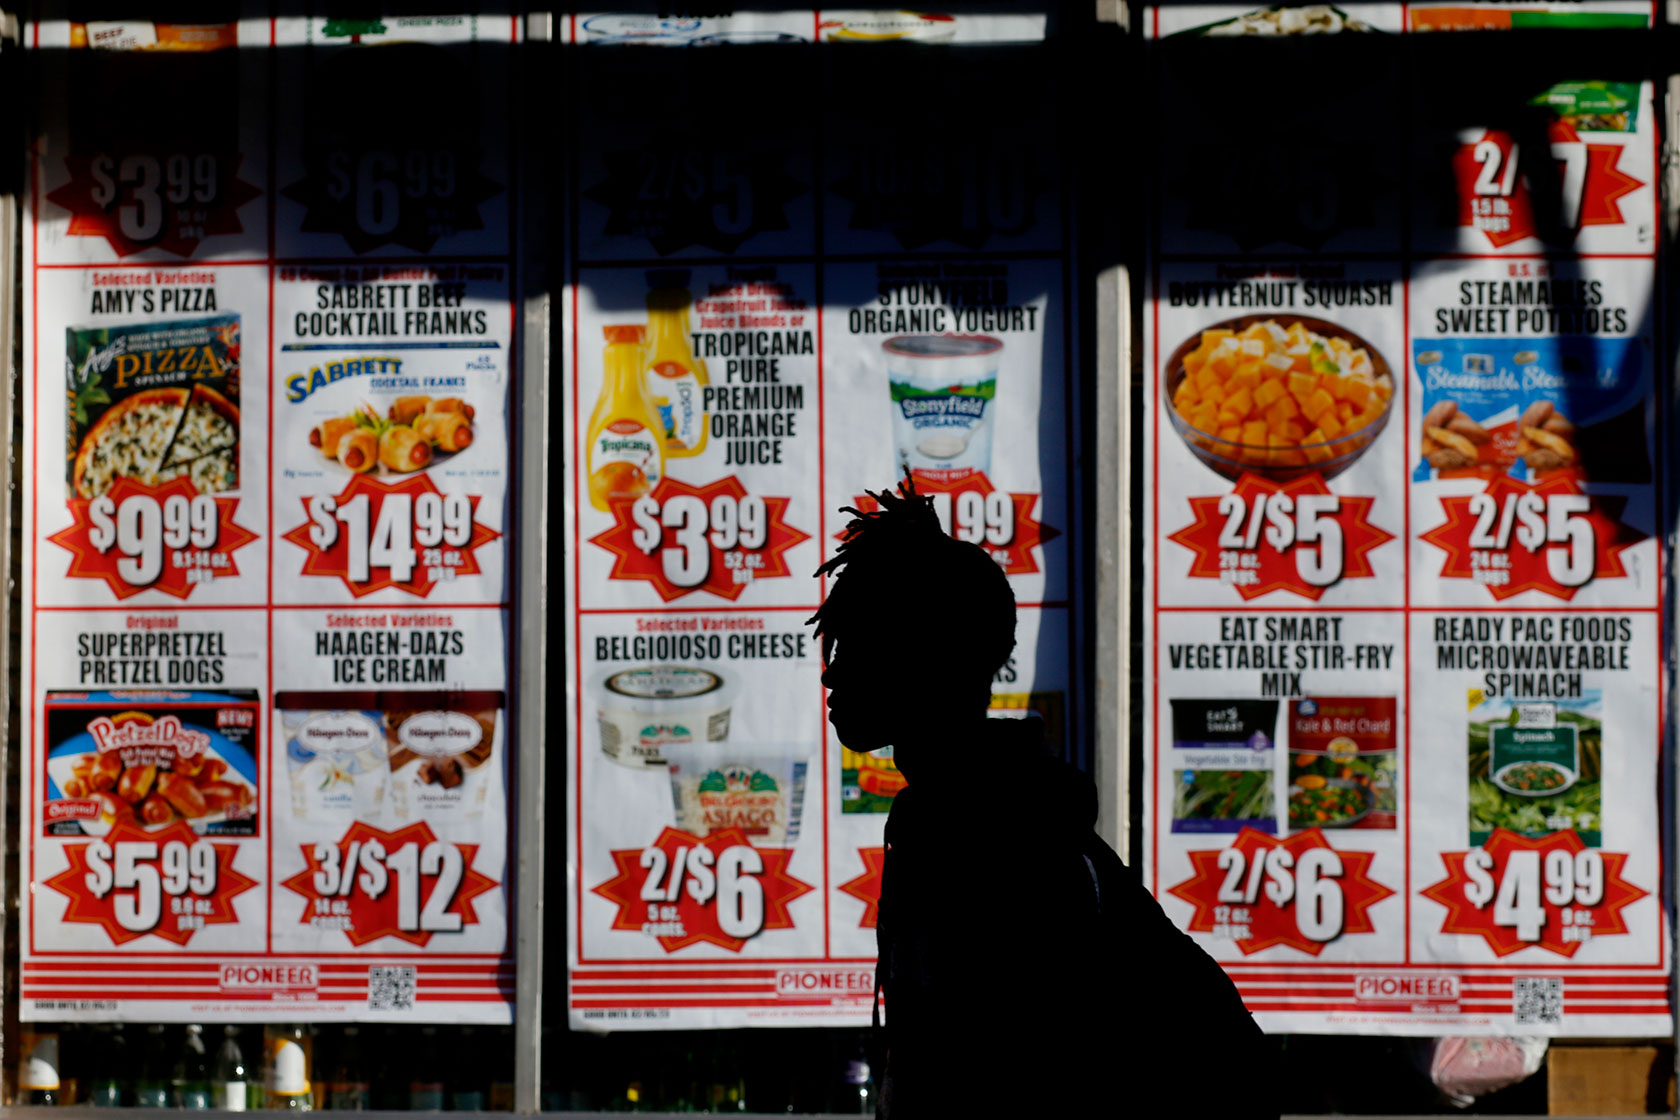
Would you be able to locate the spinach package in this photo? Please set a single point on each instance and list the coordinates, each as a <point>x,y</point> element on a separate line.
<point>1535,766</point>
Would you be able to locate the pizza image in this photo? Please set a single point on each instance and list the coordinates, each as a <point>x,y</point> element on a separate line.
<point>159,434</point>
<point>211,424</point>
<point>153,402</point>
<point>128,441</point>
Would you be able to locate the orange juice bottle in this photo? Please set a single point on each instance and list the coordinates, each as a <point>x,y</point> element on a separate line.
<point>626,438</point>
<point>676,380</point>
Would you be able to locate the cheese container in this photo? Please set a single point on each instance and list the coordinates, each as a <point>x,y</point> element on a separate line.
<point>643,710</point>
<point>758,788</point>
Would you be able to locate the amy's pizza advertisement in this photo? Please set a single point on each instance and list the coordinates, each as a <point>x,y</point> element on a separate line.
<point>151,475</point>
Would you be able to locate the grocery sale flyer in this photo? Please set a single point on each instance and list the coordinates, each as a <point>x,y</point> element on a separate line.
<point>266,728</point>
<point>1404,678</point>
<point>749,351</point>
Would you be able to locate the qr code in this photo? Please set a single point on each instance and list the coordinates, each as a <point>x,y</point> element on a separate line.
<point>391,987</point>
<point>1539,999</point>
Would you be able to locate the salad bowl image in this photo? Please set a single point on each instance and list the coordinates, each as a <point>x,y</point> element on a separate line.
<point>1279,397</point>
<point>1533,778</point>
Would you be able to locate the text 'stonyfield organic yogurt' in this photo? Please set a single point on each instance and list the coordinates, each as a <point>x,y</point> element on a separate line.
<point>757,788</point>
<point>942,386</point>
<point>644,710</point>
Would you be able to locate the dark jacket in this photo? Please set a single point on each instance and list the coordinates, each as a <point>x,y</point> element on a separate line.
<point>1024,968</point>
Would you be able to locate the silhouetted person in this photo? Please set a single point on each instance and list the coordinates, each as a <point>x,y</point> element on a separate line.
<point>1025,970</point>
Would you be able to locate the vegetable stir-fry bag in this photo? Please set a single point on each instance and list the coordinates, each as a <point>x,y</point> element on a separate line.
<point>1467,1068</point>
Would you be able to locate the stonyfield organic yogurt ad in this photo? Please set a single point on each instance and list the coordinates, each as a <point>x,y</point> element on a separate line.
<point>942,388</point>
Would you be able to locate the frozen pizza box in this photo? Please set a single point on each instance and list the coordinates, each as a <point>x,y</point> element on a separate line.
<point>153,402</point>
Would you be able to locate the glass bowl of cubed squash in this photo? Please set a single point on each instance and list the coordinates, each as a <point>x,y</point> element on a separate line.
<point>1278,396</point>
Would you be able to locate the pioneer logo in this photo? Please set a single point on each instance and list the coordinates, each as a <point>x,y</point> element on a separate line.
<point>1402,988</point>
<point>268,977</point>
<point>841,983</point>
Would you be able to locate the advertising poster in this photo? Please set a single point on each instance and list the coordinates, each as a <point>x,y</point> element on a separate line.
<point>750,348</point>
<point>267,732</point>
<point>1404,679</point>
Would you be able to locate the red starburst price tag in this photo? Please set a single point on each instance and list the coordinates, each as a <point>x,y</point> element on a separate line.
<point>167,538</point>
<point>1495,196</point>
<point>1552,893</point>
<point>168,200</point>
<point>408,535</point>
<point>1552,538</point>
<point>718,538</point>
<point>406,884</point>
<point>866,888</point>
<point>972,509</point>
<point>683,890</point>
<point>170,882</point>
<point>1299,892</point>
<point>1296,536</point>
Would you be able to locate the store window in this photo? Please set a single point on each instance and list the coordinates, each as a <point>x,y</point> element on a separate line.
<point>427,427</point>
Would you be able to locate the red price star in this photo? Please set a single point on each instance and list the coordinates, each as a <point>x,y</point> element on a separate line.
<point>405,884</point>
<point>1551,893</point>
<point>718,538</point>
<point>1495,196</point>
<point>134,216</point>
<point>371,542</point>
<point>1264,537</point>
<point>1513,537</point>
<point>1299,892</point>
<point>151,560</point>
<point>866,888</point>
<point>169,882</point>
<point>1002,525</point>
<point>725,897</point>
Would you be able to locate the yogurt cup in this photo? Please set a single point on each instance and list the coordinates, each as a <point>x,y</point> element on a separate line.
<point>943,387</point>
<point>645,710</point>
<point>758,788</point>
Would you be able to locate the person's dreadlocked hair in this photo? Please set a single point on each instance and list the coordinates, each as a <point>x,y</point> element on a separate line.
<point>896,559</point>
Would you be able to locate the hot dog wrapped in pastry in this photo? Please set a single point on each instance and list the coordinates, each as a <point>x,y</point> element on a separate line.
<point>452,404</point>
<point>359,450</point>
<point>327,433</point>
<point>405,409</point>
<point>403,450</point>
<point>182,795</point>
<point>450,431</point>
